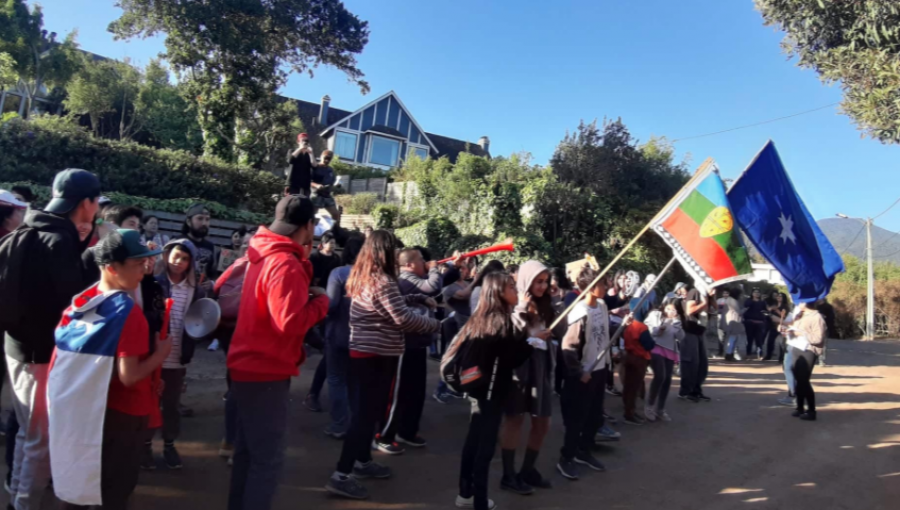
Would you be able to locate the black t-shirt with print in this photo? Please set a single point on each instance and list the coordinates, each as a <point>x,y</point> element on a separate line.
<point>693,320</point>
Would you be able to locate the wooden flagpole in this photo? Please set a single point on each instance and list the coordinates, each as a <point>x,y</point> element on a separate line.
<point>584,293</point>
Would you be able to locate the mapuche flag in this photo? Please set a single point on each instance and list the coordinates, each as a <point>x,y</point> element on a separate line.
<point>699,227</point>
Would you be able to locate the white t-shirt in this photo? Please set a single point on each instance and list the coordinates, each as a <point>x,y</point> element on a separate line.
<point>596,335</point>
<point>182,295</point>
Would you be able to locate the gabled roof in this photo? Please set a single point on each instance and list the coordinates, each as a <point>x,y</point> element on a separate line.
<point>385,130</point>
<point>392,94</point>
<point>452,147</point>
<point>309,110</point>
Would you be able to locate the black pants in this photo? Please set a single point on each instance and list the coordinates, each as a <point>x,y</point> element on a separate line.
<point>582,407</point>
<point>756,336</point>
<point>559,379</point>
<point>407,396</point>
<point>170,399</point>
<point>478,451</point>
<point>120,457</point>
<point>802,367</point>
<point>370,384</point>
<point>319,377</point>
<point>771,335</point>
<point>694,365</point>
<point>663,368</point>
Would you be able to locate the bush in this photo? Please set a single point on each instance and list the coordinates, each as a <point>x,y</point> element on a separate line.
<point>174,206</point>
<point>436,234</point>
<point>360,203</point>
<point>37,149</point>
<point>386,216</point>
<point>357,172</point>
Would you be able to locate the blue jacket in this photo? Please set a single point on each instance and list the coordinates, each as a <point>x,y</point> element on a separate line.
<point>337,325</point>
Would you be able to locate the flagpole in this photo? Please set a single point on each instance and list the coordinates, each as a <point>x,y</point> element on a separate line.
<point>615,337</point>
<point>752,162</point>
<point>584,293</point>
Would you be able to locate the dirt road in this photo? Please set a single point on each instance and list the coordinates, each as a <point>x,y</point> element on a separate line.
<point>740,451</point>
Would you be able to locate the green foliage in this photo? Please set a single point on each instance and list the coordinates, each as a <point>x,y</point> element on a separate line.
<point>97,87</point>
<point>167,118</point>
<point>856,44</point>
<point>856,271</point>
<point>40,60</point>
<point>8,75</point>
<point>385,216</point>
<point>235,56</point>
<point>356,171</point>
<point>175,206</point>
<point>360,203</point>
<point>436,234</point>
<point>37,149</point>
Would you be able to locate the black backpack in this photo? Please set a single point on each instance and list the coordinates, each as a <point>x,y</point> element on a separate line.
<point>460,372</point>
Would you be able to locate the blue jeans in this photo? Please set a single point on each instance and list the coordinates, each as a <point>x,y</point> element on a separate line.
<point>262,409</point>
<point>338,358</point>
<point>788,373</point>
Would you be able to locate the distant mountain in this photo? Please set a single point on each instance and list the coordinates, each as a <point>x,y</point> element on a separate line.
<point>849,236</point>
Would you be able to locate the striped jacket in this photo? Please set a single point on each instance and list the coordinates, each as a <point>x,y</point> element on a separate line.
<point>380,316</point>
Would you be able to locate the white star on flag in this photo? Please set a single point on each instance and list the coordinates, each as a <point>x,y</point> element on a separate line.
<point>90,320</point>
<point>787,229</point>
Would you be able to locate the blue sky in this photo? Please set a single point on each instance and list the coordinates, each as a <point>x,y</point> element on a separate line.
<point>524,72</point>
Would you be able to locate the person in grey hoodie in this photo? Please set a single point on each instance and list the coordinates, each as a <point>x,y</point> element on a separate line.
<point>417,277</point>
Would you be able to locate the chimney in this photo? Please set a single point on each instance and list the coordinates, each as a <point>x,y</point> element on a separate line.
<point>323,110</point>
<point>485,144</point>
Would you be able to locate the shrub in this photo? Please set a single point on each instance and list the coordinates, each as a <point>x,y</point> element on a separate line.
<point>386,216</point>
<point>436,234</point>
<point>37,149</point>
<point>360,203</point>
<point>174,206</point>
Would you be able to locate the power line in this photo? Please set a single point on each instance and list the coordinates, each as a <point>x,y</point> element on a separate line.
<point>854,240</point>
<point>756,124</point>
<point>886,210</point>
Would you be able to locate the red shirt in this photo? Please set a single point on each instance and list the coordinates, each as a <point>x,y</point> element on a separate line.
<point>133,341</point>
<point>632,336</point>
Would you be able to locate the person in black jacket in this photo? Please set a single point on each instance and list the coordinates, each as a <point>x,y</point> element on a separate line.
<point>40,272</point>
<point>496,344</point>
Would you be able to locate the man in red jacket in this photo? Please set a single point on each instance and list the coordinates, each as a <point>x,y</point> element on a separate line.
<point>277,308</point>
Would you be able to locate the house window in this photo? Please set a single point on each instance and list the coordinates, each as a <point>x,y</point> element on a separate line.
<point>345,145</point>
<point>418,152</point>
<point>384,151</point>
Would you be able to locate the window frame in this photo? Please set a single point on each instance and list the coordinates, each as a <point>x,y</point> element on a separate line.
<point>355,147</point>
<point>371,145</point>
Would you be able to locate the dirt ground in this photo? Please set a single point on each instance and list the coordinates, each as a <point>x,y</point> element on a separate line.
<point>741,450</point>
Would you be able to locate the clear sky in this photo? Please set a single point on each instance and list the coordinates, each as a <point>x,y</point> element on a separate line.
<point>524,72</point>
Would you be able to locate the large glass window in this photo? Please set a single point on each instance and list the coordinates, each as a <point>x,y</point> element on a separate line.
<point>384,151</point>
<point>418,152</point>
<point>345,145</point>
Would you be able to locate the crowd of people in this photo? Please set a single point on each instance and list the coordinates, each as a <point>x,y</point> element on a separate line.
<point>94,299</point>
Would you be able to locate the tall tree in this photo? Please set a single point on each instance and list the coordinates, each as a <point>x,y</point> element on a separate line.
<point>40,60</point>
<point>8,76</point>
<point>96,89</point>
<point>234,54</point>
<point>854,43</point>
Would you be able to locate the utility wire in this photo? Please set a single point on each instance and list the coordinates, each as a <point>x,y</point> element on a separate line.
<point>756,124</point>
<point>853,241</point>
<point>886,210</point>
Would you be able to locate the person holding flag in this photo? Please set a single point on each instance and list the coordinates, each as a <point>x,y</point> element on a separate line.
<point>99,391</point>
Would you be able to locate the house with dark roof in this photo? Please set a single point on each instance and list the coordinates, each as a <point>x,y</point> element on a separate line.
<point>380,134</point>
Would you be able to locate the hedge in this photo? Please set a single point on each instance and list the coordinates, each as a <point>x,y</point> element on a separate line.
<point>174,206</point>
<point>36,149</point>
<point>436,234</point>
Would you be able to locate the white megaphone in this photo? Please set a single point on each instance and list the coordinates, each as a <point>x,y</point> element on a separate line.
<point>202,318</point>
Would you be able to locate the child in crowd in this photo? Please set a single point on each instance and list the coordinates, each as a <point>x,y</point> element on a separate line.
<point>666,327</point>
<point>178,280</point>
<point>638,343</point>
<point>496,344</point>
<point>533,391</point>
<point>100,390</point>
<point>585,352</point>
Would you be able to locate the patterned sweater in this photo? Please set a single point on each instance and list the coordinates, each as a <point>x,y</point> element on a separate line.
<point>380,316</point>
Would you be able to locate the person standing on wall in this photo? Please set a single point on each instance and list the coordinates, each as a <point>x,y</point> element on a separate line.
<point>40,271</point>
<point>302,161</point>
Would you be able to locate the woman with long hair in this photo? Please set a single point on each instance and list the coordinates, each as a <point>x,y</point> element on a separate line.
<point>667,328</point>
<point>496,343</point>
<point>533,391</point>
<point>492,266</point>
<point>379,315</point>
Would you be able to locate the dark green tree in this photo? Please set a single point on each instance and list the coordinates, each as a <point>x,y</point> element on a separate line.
<point>854,43</point>
<point>39,59</point>
<point>234,55</point>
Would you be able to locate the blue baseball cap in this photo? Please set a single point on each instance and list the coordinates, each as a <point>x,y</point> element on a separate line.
<point>70,187</point>
<point>121,245</point>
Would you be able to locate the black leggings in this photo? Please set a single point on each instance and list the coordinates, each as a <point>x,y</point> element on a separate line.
<point>478,451</point>
<point>802,367</point>
<point>370,385</point>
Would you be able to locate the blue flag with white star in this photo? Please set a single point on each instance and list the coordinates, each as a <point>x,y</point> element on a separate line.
<point>767,208</point>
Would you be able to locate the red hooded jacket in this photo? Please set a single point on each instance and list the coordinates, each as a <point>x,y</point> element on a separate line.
<point>276,311</point>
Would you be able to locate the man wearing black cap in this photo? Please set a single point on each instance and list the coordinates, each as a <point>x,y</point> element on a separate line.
<point>40,272</point>
<point>276,311</point>
<point>196,228</point>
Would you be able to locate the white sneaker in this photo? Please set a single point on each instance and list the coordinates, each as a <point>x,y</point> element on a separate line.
<point>664,416</point>
<point>650,413</point>
<point>214,345</point>
<point>462,502</point>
